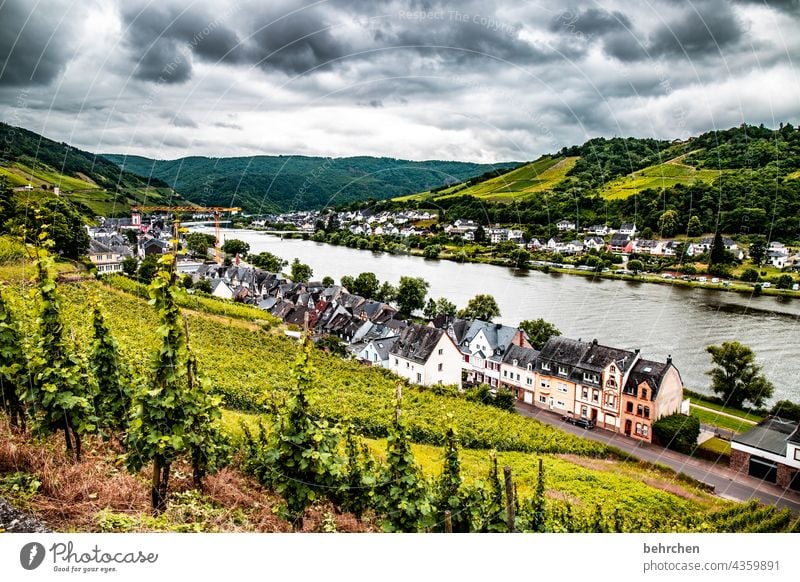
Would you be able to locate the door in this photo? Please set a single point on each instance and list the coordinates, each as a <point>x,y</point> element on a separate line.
<point>594,415</point>
<point>628,424</point>
<point>763,469</point>
<point>527,397</point>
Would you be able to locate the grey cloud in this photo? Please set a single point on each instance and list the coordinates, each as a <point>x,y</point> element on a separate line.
<point>183,121</point>
<point>590,22</point>
<point>789,6</point>
<point>28,56</point>
<point>707,27</point>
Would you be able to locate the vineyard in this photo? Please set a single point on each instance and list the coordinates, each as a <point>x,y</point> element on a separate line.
<point>153,379</point>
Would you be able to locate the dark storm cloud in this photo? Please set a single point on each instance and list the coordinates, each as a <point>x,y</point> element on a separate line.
<point>28,55</point>
<point>704,28</point>
<point>590,22</point>
<point>789,6</point>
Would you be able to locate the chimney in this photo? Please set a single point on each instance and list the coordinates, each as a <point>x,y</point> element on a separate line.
<point>669,359</point>
<point>636,351</point>
<point>594,342</point>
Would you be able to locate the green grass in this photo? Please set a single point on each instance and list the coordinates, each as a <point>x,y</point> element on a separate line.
<point>720,421</point>
<point>732,411</point>
<point>21,175</point>
<point>538,176</point>
<point>717,446</point>
<point>657,177</point>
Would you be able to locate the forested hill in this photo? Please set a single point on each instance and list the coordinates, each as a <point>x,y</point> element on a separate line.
<point>94,185</point>
<point>742,180</point>
<point>281,183</point>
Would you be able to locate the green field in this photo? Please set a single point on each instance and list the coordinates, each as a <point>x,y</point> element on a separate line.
<point>538,176</point>
<point>19,174</point>
<point>657,177</point>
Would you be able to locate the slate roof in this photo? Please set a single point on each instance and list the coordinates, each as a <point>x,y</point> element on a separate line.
<point>597,357</point>
<point>771,435</point>
<point>646,371</point>
<point>417,343</point>
<point>98,248</point>
<point>458,329</point>
<point>563,350</point>
<point>619,240</point>
<point>524,356</point>
<point>498,335</point>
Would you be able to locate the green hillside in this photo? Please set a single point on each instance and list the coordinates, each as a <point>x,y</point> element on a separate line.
<point>658,177</point>
<point>538,176</point>
<point>262,184</point>
<point>95,186</point>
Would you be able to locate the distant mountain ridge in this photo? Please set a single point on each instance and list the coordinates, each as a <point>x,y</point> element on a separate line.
<point>263,184</point>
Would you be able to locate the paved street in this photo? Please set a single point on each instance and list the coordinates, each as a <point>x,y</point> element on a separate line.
<point>727,483</point>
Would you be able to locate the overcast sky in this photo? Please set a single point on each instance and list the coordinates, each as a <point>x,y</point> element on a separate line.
<point>474,80</point>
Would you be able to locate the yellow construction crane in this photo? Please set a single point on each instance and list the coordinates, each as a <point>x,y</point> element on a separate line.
<point>216,211</point>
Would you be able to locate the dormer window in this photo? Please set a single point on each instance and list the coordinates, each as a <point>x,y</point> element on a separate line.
<point>562,370</point>
<point>530,367</point>
<point>515,362</point>
<point>545,366</point>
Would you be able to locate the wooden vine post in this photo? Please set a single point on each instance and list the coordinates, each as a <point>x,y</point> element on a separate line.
<point>510,513</point>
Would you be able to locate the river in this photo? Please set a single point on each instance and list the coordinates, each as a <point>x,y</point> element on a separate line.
<point>658,319</point>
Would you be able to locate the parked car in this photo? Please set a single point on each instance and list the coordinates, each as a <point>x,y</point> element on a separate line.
<point>581,422</point>
<point>766,285</point>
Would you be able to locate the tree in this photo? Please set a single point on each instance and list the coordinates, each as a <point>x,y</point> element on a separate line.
<point>267,261</point>
<point>203,286</point>
<point>717,254</point>
<point>129,266</point>
<point>133,237</point>
<point>636,266</point>
<point>668,223</point>
<point>647,233</point>
<point>519,258</point>
<point>689,269</point>
<point>113,398</point>
<point>445,307</point>
<point>430,309</point>
<point>786,409</point>
<point>483,306</point>
<point>785,281</point>
<point>147,269</point>
<point>198,243</point>
<point>174,413</point>
<point>59,392</point>
<point>13,366</point>
<point>432,252</point>
<point>538,331</point>
<point>366,285</point>
<point>411,294</point>
<point>387,292</point>
<point>758,250</point>
<point>694,228</point>
<point>736,376</point>
<point>235,247</point>
<point>480,234</point>
<point>300,273</point>
<point>348,282</point>
<point>749,276</point>
<point>327,281</point>
<point>64,225</point>
<point>678,432</point>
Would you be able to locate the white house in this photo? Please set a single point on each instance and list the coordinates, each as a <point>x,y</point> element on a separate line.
<point>376,352</point>
<point>482,349</point>
<point>769,451</point>
<point>628,228</point>
<point>427,356</point>
<point>518,372</point>
<point>104,257</point>
<point>564,225</point>
<point>219,288</point>
<point>777,259</point>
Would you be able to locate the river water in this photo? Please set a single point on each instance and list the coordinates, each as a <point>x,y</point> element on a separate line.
<point>658,319</point>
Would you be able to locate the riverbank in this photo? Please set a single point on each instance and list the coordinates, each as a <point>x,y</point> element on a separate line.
<point>731,286</point>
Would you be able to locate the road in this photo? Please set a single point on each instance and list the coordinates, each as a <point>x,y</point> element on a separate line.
<point>727,483</point>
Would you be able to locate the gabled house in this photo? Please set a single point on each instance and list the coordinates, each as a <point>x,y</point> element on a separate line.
<point>427,356</point>
<point>104,257</point>
<point>483,346</point>
<point>564,225</point>
<point>376,352</point>
<point>620,243</point>
<point>628,228</point>
<point>154,246</point>
<point>518,372</point>
<point>599,229</point>
<point>221,289</point>
<point>646,246</point>
<point>653,390</point>
<point>594,242</point>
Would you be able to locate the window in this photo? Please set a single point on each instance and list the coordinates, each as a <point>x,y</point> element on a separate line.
<point>530,367</point>
<point>505,373</point>
<point>543,399</point>
<point>584,411</point>
<point>515,362</point>
<point>797,454</point>
<point>441,351</point>
<point>595,396</point>
<point>644,393</point>
<point>611,400</point>
<point>545,366</point>
<point>587,377</point>
<point>466,358</point>
<point>629,407</point>
<point>396,362</point>
<point>530,381</point>
<point>419,377</point>
<point>375,357</point>
<point>562,370</point>
<point>440,367</point>
<point>639,428</point>
<point>517,377</point>
<point>561,387</point>
<point>639,410</point>
<point>560,404</point>
<point>545,384</point>
<point>408,365</point>
<point>585,393</point>
<point>645,429</point>
<point>647,412</point>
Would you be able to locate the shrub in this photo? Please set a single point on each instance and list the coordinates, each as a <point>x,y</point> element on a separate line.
<point>678,432</point>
